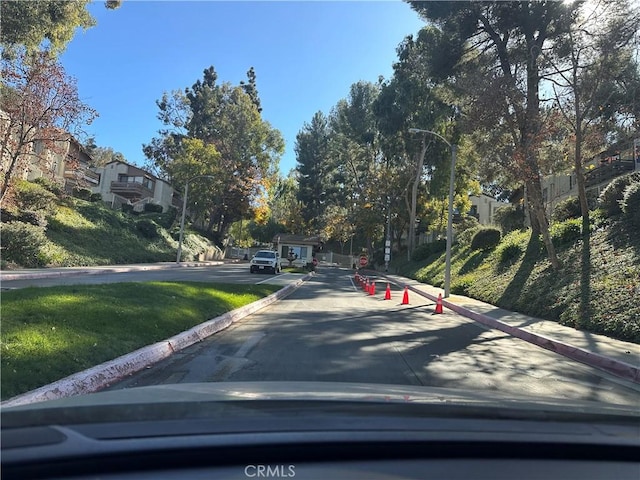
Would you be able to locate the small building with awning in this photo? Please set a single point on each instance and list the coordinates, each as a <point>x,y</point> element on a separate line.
<point>297,250</point>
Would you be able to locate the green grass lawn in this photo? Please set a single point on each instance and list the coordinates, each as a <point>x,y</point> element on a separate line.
<point>49,333</point>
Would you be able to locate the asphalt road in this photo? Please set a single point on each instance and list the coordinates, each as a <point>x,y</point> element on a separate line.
<point>329,330</point>
<point>229,273</point>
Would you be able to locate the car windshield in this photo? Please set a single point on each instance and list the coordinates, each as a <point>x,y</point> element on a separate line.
<point>387,195</point>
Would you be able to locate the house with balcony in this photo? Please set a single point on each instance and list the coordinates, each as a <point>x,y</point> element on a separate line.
<point>122,183</point>
<point>617,160</point>
<point>69,165</point>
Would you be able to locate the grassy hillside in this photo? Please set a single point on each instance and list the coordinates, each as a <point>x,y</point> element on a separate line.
<point>68,231</point>
<point>596,289</point>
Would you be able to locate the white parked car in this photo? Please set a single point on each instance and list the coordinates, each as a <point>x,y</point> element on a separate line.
<point>265,260</point>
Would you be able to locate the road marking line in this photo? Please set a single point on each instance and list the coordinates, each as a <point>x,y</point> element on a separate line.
<point>352,284</point>
<point>270,278</point>
<point>249,343</point>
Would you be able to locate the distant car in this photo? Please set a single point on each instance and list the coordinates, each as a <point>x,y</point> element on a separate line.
<point>265,260</point>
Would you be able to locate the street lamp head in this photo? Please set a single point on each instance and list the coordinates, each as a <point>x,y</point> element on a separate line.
<point>414,130</point>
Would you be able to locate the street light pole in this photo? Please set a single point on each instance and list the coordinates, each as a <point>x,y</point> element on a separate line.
<point>454,148</point>
<point>184,210</point>
<point>447,269</point>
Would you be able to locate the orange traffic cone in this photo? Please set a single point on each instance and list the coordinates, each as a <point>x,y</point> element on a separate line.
<point>372,288</point>
<point>438,304</point>
<point>387,294</point>
<point>405,297</point>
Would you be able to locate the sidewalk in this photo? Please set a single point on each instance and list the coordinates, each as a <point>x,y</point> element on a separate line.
<point>614,356</point>
<point>31,273</point>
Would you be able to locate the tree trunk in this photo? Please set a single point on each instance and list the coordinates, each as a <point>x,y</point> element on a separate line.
<point>414,200</point>
<point>582,188</point>
<point>541,218</point>
<point>530,130</point>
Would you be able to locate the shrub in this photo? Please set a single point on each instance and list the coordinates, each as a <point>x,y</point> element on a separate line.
<point>22,243</point>
<point>510,253</point>
<point>82,193</point>
<point>95,197</point>
<point>566,209</point>
<point>612,196</point>
<point>127,208</point>
<point>152,208</point>
<point>464,238</point>
<point>598,219</point>
<point>169,217</point>
<point>509,218</point>
<point>34,218</point>
<point>50,185</point>
<point>631,204</point>
<point>424,251</point>
<point>461,286</point>
<point>148,228</point>
<point>485,239</point>
<point>567,232</point>
<point>466,223</point>
<point>33,197</point>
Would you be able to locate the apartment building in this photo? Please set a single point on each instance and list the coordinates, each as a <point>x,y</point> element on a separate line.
<point>122,183</point>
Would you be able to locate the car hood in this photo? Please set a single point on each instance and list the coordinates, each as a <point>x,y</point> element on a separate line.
<point>297,395</point>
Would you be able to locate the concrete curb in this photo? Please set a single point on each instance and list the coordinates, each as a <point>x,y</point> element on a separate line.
<point>100,376</point>
<point>6,276</point>
<point>615,367</point>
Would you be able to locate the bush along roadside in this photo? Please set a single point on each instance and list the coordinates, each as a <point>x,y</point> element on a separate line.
<point>516,275</point>
<point>46,228</point>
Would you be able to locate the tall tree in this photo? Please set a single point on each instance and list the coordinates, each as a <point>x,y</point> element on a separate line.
<point>286,209</point>
<point>40,110</point>
<point>29,24</point>
<point>100,156</point>
<point>594,76</point>
<point>357,160</point>
<point>314,169</point>
<point>510,36</point>
<point>224,119</point>
<point>413,99</point>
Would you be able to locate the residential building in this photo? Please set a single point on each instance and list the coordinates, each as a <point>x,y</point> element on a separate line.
<point>68,165</point>
<point>618,160</point>
<point>121,183</point>
<point>483,208</point>
<point>59,157</point>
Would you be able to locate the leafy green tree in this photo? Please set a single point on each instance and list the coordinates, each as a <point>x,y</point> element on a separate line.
<point>505,42</point>
<point>358,162</point>
<point>286,209</point>
<point>232,140</point>
<point>100,156</point>
<point>29,24</point>
<point>595,79</point>
<point>314,169</point>
<point>413,98</point>
<point>338,225</point>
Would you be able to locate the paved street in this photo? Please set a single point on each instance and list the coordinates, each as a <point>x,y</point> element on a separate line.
<point>229,273</point>
<point>329,330</point>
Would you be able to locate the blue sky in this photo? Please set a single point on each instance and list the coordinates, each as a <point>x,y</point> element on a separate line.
<point>306,56</point>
